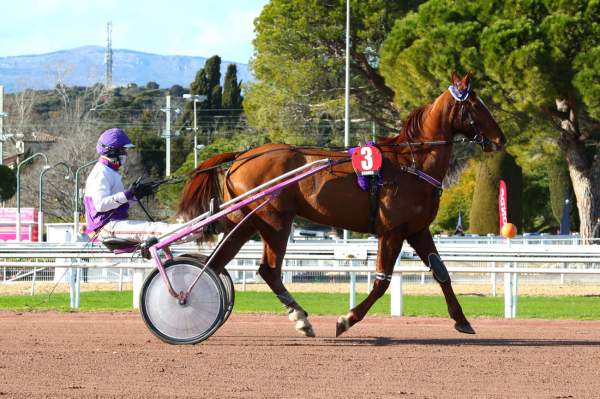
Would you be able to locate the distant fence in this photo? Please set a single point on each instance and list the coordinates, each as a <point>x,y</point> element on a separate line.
<point>318,262</point>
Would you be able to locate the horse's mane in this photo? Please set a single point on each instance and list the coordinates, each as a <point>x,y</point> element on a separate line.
<point>410,130</point>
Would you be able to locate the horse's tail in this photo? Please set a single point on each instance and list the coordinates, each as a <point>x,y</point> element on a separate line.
<point>203,186</point>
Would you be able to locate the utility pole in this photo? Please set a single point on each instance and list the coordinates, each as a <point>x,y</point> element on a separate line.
<point>196,99</point>
<point>108,61</point>
<point>347,91</point>
<point>2,115</point>
<point>195,136</point>
<point>167,136</point>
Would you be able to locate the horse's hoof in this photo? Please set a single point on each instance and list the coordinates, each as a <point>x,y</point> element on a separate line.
<point>464,328</point>
<point>342,325</point>
<point>305,330</point>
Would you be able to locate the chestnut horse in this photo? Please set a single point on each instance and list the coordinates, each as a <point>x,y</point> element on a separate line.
<point>407,203</point>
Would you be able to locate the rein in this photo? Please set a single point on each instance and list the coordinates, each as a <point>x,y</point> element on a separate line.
<point>408,169</point>
<point>459,95</point>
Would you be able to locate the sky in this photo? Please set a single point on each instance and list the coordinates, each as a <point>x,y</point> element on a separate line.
<point>179,27</point>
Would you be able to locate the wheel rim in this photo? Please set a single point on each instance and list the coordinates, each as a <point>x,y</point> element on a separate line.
<point>229,292</point>
<point>188,322</point>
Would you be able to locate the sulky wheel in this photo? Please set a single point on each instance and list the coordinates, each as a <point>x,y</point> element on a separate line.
<point>195,320</point>
<point>229,293</point>
<point>225,278</point>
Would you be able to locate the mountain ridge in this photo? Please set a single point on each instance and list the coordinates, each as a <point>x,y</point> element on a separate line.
<point>84,66</point>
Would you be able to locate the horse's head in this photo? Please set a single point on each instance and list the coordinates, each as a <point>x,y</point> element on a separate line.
<point>471,118</point>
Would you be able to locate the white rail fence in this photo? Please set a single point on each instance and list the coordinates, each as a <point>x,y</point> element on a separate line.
<point>354,258</point>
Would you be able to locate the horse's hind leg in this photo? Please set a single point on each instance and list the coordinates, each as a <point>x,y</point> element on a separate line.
<point>422,243</point>
<point>232,246</point>
<point>275,236</point>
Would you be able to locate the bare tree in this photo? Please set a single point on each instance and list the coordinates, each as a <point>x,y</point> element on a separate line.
<point>76,132</point>
<point>23,101</point>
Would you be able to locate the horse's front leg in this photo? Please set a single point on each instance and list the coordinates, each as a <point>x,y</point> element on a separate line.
<point>389,247</point>
<point>275,234</point>
<point>423,244</point>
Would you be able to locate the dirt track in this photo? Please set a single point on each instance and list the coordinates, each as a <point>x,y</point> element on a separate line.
<point>87,355</point>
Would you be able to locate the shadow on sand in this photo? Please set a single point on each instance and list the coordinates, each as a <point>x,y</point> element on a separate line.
<point>386,341</point>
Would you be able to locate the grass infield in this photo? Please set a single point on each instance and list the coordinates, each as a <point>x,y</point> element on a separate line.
<point>563,307</point>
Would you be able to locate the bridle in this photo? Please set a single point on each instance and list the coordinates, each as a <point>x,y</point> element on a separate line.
<point>465,114</point>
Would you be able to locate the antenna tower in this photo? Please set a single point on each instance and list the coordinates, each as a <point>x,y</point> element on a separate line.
<point>108,61</point>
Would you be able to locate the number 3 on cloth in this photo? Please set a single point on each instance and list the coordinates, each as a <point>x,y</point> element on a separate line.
<point>366,160</point>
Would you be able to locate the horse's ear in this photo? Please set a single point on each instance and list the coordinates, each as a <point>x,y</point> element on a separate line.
<point>455,78</point>
<point>466,81</point>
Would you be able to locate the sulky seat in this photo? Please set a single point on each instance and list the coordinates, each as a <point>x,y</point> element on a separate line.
<point>115,243</point>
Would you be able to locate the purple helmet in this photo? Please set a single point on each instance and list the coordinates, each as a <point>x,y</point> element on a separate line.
<point>113,139</point>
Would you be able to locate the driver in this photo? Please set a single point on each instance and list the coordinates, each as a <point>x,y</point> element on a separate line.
<point>107,202</point>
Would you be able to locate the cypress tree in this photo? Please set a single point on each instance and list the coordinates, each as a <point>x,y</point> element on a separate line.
<point>200,83</point>
<point>213,71</point>
<point>484,216</point>
<point>216,97</point>
<point>232,92</point>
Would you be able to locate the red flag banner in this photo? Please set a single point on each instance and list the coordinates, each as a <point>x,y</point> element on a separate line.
<point>502,204</point>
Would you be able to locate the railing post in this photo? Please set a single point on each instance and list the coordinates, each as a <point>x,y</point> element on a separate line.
<point>493,277</point>
<point>244,277</point>
<point>508,294</point>
<point>396,307</point>
<point>72,276</point>
<point>352,286</point>
<point>78,288</point>
<point>138,281</point>
<point>120,279</point>
<point>33,281</point>
<point>515,293</point>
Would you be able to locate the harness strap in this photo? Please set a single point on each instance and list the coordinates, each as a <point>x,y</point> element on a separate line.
<point>374,190</point>
<point>422,175</point>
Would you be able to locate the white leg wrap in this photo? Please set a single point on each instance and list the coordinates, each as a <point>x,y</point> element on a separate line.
<point>296,315</point>
<point>302,325</point>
